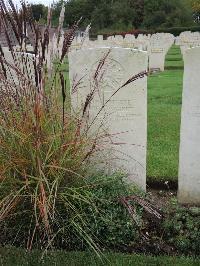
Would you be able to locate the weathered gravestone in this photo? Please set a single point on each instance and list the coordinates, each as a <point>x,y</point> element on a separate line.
<point>157,59</point>
<point>100,38</point>
<point>189,165</point>
<point>23,64</point>
<point>125,115</point>
<point>142,42</point>
<point>160,43</point>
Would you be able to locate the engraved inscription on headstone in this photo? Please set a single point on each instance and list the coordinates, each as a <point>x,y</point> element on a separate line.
<point>125,115</point>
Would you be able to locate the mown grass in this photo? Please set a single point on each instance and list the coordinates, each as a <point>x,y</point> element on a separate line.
<point>164,108</point>
<point>17,257</point>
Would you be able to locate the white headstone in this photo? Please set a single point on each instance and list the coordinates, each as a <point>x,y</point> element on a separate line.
<point>189,165</point>
<point>125,115</point>
<point>23,64</point>
<point>158,47</point>
<point>100,38</point>
<point>157,58</point>
<point>129,41</point>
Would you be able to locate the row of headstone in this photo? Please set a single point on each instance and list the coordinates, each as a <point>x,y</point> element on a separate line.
<point>156,45</point>
<point>124,118</point>
<point>188,39</point>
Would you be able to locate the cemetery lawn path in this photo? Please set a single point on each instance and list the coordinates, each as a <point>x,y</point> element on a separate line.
<point>19,257</point>
<point>164,115</point>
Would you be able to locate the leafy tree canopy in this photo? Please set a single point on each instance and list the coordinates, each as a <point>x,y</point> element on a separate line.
<point>127,14</point>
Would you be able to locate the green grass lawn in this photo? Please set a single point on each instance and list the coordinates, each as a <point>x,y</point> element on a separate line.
<point>164,108</point>
<point>17,257</point>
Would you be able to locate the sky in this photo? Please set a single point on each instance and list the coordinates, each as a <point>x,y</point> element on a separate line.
<point>44,2</point>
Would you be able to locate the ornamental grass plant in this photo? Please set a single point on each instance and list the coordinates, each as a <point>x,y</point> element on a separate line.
<point>45,149</point>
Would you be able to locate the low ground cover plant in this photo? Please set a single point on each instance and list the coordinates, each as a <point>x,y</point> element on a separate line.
<point>181,228</point>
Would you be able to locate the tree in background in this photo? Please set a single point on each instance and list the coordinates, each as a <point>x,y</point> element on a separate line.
<point>106,14</point>
<point>167,13</point>
<point>196,10</point>
<point>39,12</point>
<point>118,15</point>
<point>138,7</point>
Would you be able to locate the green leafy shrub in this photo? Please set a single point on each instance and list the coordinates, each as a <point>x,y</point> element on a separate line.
<point>181,229</point>
<point>111,223</point>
